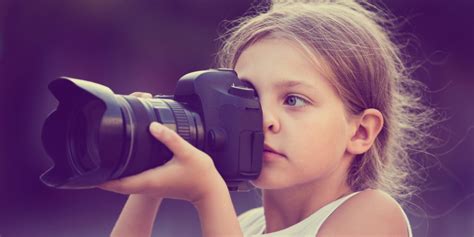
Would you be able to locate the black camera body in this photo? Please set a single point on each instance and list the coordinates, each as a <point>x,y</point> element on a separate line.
<point>94,135</point>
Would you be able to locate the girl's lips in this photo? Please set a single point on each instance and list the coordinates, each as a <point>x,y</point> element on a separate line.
<point>268,148</point>
<point>269,156</point>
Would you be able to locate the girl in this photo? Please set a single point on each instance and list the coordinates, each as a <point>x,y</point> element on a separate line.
<point>339,117</point>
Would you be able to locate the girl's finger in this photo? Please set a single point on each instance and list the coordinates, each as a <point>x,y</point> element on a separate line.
<point>136,183</point>
<point>180,147</point>
<point>142,95</point>
<point>128,185</point>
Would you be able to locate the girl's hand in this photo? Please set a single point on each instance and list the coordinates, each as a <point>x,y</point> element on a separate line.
<point>190,174</point>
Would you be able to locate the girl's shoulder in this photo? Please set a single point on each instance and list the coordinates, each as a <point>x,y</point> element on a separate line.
<point>370,212</point>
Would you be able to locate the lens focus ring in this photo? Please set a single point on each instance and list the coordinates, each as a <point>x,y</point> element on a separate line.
<point>182,120</point>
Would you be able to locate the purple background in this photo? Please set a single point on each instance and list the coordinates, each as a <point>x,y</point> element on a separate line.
<point>146,46</point>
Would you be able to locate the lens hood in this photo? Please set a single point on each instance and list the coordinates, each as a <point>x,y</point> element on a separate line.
<point>99,111</point>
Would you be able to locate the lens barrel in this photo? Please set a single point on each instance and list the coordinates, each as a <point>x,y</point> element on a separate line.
<point>105,136</point>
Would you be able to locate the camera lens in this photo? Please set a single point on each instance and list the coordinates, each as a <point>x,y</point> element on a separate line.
<point>95,135</point>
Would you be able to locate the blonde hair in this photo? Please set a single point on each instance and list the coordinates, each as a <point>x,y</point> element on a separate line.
<point>366,68</point>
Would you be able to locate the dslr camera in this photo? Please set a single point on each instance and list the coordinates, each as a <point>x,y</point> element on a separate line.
<point>95,135</point>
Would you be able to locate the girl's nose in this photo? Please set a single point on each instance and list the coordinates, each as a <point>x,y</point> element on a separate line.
<point>270,121</point>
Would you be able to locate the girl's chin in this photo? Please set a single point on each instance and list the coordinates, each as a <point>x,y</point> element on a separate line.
<point>259,183</point>
<point>263,182</point>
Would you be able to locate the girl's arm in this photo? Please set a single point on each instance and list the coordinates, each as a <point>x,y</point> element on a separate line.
<point>217,214</point>
<point>137,216</point>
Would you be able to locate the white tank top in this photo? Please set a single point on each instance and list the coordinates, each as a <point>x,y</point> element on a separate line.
<point>252,222</point>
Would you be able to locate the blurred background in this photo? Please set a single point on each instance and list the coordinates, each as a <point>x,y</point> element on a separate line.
<point>147,45</point>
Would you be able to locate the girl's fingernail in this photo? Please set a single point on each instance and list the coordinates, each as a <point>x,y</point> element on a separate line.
<point>155,127</point>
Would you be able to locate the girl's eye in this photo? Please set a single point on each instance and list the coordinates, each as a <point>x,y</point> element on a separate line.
<point>293,100</point>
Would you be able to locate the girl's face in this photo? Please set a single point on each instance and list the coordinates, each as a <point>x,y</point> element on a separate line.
<point>304,118</point>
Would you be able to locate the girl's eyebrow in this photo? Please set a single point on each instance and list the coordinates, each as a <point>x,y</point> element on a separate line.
<point>287,84</point>
<point>291,84</point>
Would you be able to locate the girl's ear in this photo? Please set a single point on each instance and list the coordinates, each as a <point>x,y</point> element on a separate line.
<point>366,128</point>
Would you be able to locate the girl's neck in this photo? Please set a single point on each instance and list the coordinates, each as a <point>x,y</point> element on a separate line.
<point>286,207</point>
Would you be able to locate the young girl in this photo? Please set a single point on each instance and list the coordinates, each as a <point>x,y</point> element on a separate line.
<point>339,117</point>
